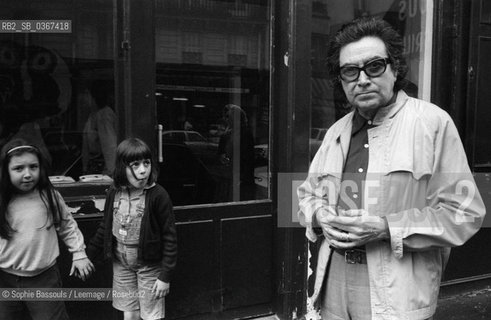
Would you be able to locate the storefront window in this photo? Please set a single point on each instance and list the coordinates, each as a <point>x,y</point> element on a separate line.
<point>212,98</point>
<point>413,20</point>
<point>57,87</point>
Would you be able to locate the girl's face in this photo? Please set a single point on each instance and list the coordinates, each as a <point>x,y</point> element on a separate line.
<point>138,173</point>
<point>24,171</point>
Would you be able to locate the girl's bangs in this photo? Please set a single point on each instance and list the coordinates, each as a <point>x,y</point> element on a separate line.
<point>138,152</point>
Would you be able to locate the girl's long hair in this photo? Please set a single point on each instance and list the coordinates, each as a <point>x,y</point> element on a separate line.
<point>44,186</point>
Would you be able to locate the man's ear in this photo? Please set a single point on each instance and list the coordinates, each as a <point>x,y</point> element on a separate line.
<point>395,73</point>
<point>394,70</point>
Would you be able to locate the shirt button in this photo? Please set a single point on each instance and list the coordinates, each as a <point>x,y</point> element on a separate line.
<point>360,170</point>
<point>355,196</point>
<point>365,145</point>
<point>370,122</point>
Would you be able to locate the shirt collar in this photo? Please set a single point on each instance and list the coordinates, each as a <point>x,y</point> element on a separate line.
<point>358,122</point>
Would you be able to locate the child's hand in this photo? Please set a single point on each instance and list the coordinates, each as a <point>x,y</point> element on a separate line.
<point>160,288</point>
<point>82,268</point>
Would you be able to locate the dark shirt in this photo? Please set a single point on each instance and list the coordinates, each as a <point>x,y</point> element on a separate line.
<point>355,167</point>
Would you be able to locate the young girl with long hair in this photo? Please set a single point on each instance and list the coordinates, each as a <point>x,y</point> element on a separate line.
<point>138,233</point>
<point>32,215</point>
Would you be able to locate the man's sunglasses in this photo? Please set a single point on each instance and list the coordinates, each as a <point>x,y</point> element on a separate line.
<point>374,68</point>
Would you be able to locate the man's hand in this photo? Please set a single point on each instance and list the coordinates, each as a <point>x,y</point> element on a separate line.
<point>351,228</point>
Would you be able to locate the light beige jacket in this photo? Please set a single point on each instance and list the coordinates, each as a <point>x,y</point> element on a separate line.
<point>418,177</point>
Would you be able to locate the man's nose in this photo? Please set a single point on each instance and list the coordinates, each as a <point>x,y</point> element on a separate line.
<point>363,78</point>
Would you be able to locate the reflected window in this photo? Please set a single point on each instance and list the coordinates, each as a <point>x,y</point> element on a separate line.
<point>213,80</point>
<point>57,89</point>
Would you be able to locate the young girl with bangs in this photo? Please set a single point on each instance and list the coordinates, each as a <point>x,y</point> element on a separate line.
<point>138,233</point>
<point>32,216</point>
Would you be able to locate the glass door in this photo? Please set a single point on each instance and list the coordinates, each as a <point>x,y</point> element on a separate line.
<point>212,64</point>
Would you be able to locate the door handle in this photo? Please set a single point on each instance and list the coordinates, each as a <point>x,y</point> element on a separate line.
<point>160,155</point>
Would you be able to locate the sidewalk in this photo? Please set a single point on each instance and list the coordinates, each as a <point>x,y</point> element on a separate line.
<point>468,301</point>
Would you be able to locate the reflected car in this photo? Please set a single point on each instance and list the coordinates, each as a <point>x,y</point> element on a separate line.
<point>201,147</point>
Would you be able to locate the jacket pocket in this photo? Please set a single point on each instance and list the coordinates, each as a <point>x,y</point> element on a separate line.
<point>405,189</point>
<point>413,154</point>
<point>414,281</point>
<point>406,178</point>
<point>411,168</point>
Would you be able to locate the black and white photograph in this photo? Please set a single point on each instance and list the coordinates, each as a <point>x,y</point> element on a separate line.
<point>245,159</point>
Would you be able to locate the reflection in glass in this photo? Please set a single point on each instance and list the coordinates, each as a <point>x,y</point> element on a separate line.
<point>47,81</point>
<point>213,99</point>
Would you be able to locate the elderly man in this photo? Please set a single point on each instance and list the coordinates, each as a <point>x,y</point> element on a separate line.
<point>389,190</point>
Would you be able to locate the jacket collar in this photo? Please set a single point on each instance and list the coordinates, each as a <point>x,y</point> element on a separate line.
<point>382,114</point>
<point>391,110</point>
